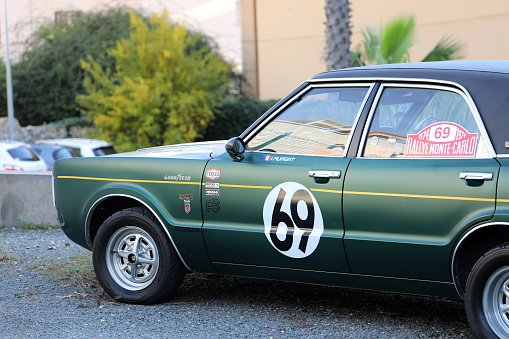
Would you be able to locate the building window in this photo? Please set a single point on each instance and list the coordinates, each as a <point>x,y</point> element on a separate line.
<point>65,17</point>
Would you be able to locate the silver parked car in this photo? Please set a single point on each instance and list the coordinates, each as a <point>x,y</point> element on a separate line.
<point>85,147</point>
<point>50,154</point>
<point>17,156</point>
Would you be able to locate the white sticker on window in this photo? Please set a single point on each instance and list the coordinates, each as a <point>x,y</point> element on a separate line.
<point>293,220</point>
<point>443,139</point>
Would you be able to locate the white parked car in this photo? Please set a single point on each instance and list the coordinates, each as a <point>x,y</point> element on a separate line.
<point>85,147</point>
<point>17,156</point>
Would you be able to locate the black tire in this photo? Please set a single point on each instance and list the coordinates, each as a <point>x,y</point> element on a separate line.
<point>487,295</point>
<point>147,274</point>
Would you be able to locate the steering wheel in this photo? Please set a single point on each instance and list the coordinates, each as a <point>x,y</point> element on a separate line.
<point>425,123</point>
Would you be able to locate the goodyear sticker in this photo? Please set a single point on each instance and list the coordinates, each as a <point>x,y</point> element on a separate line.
<point>442,139</point>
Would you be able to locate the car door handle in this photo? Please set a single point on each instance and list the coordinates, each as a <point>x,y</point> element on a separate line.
<point>476,176</point>
<point>325,174</point>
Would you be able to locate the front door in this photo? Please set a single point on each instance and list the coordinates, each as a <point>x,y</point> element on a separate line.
<point>280,207</point>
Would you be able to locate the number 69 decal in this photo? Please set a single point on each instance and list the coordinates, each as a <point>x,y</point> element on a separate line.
<point>293,221</point>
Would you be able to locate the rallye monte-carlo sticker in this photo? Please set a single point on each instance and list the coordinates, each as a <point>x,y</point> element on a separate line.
<point>442,139</point>
<point>293,220</point>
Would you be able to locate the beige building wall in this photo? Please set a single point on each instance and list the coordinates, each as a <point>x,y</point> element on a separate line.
<point>287,40</point>
<point>481,25</point>
<point>282,44</point>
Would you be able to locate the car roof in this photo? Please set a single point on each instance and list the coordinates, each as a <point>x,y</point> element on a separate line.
<point>74,142</point>
<point>419,68</point>
<point>8,144</point>
<point>487,83</point>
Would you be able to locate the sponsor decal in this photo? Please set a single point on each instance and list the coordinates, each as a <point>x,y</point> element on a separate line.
<point>281,159</point>
<point>211,192</point>
<point>442,139</point>
<point>213,205</point>
<point>186,229</point>
<point>211,185</point>
<point>373,141</point>
<point>177,177</point>
<point>398,148</point>
<point>391,141</point>
<point>213,174</point>
<point>293,220</point>
<point>185,196</point>
<point>187,206</point>
<point>382,149</point>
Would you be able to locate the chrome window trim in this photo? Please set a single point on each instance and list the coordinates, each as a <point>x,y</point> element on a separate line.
<point>461,91</point>
<point>87,224</point>
<point>270,118</point>
<point>466,235</point>
<point>53,189</point>
<point>390,80</point>
<point>502,155</point>
<point>356,121</point>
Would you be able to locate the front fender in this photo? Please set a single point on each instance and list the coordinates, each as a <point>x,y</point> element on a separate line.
<point>87,192</point>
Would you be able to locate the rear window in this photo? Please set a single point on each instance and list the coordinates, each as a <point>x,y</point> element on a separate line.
<point>22,154</point>
<point>63,153</point>
<point>75,152</point>
<point>104,151</point>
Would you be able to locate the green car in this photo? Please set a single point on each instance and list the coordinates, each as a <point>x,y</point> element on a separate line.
<point>389,178</point>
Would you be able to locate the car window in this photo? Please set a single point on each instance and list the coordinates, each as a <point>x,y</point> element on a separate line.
<point>22,154</point>
<point>76,153</point>
<point>318,123</point>
<point>62,153</point>
<point>418,122</point>
<point>107,150</point>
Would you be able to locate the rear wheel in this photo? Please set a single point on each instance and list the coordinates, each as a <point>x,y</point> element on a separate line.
<point>134,260</point>
<point>487,295</point>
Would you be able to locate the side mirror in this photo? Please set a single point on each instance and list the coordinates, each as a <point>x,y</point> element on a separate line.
<point>235,148</point>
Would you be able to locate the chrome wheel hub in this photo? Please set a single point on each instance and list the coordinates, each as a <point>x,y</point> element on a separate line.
<point>496,302</point>
<point>132,258</point>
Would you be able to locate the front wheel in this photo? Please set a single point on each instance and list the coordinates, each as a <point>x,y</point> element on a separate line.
<point>134,260</point>
<point>487,295</point>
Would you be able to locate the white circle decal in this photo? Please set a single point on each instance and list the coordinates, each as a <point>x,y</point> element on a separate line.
<point>293,221</point>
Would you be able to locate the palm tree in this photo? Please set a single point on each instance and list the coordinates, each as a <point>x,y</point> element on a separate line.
<point>337,33</point>
<point>391,44</point>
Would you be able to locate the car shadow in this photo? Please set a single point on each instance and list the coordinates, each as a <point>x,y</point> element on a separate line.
<point>429,316</point>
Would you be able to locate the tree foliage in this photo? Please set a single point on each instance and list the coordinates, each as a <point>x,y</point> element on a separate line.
<point>392,43</point>
<point>162,91</point>
<point>49,75</point>
<point>233,116</point>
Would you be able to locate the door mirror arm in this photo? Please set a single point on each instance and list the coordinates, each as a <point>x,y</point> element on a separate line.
<point>235,148</point>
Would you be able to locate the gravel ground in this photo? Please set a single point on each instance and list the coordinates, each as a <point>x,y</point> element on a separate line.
<point>32,305</point>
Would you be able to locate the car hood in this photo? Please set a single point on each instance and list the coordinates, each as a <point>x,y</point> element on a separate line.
<point>197,150</point>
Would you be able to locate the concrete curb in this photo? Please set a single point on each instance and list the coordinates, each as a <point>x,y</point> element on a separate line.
<point>26,197</point>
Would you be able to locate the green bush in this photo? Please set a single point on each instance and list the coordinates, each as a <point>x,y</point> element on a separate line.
<point>232,117</point>
<point>48,76</point>
<point>163,90</point>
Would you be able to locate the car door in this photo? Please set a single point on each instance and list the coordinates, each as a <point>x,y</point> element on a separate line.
<point>280,207</point>
<point>424,170</point>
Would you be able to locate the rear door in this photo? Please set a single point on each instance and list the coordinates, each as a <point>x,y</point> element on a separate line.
<point>280,207</point>
<point>424,169</point>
